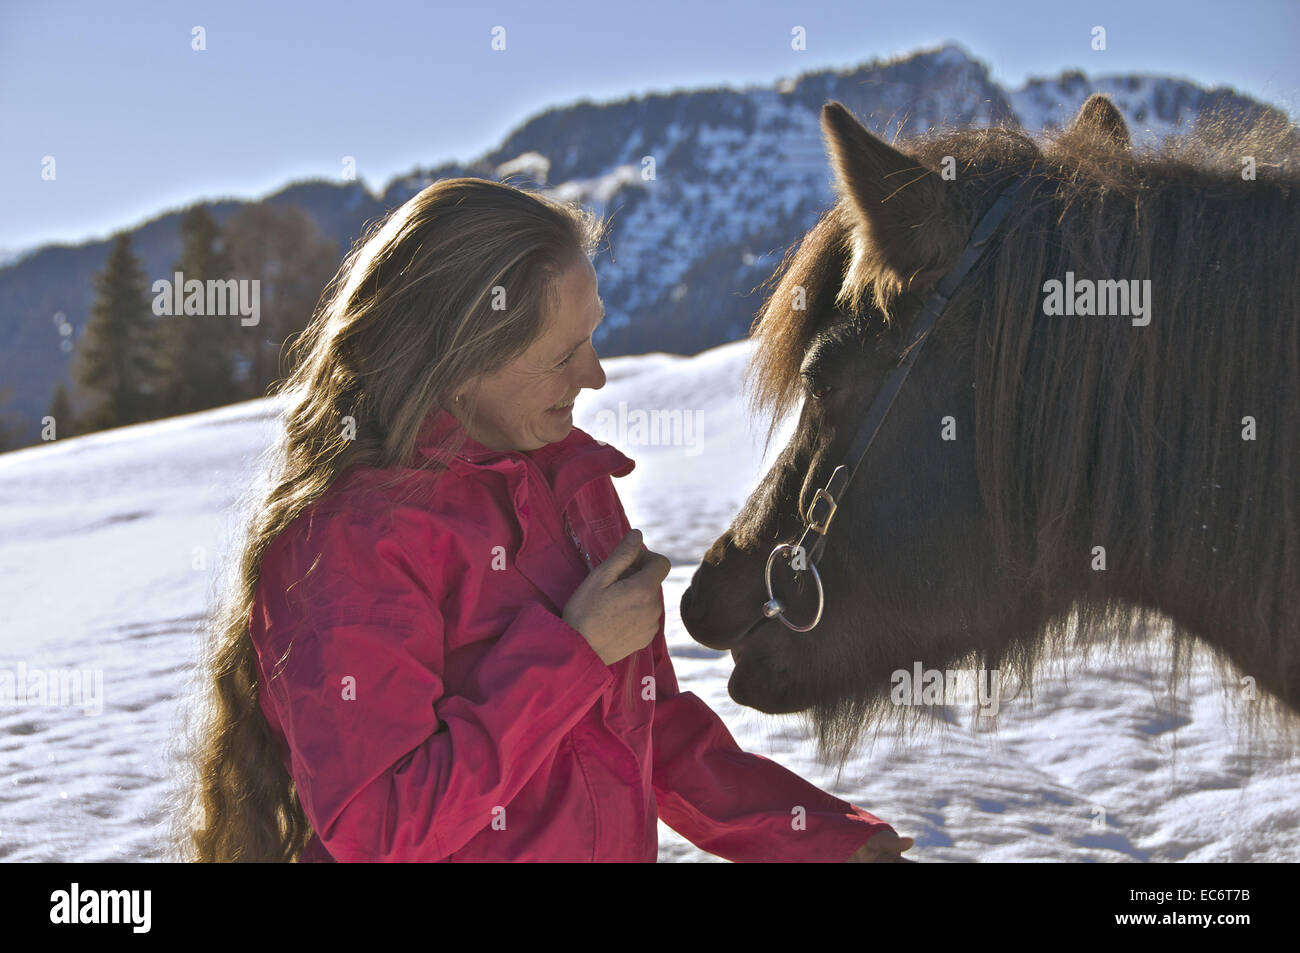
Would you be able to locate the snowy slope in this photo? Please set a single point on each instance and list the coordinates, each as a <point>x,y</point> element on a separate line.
<point>110,546</point>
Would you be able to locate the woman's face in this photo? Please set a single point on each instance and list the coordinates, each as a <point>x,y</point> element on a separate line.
<point>516,405</point>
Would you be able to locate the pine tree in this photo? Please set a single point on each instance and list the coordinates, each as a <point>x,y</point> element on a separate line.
<point>116,362</point>
<point>283,249</point>
<point>199,350</point>
<point>10,424</point>
<point>65,423</point>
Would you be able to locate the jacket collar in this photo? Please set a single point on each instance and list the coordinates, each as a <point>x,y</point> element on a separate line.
<point>568,464</point>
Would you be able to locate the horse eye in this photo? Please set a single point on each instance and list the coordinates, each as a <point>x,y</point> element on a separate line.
<point>820,391</point>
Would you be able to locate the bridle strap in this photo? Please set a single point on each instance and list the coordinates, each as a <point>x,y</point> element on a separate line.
<point>824,502</point>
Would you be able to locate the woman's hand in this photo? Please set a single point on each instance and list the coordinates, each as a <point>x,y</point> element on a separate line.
<point>617,606</point>
<point>885,848</point>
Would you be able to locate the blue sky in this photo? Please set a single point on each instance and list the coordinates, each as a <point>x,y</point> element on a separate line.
<point>138,122</point>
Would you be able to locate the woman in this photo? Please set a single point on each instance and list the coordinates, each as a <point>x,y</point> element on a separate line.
<point>446,642</point>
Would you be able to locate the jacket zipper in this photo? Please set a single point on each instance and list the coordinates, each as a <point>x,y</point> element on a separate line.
<point>582,550</point>
<point>579,549</point>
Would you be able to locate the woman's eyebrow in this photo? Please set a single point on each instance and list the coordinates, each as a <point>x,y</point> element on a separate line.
<point>576,344</point>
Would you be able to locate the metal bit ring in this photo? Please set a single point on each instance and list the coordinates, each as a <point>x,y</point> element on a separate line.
<point>773,607</point>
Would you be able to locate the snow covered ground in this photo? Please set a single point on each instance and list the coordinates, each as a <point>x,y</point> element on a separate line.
<point>111,547</point>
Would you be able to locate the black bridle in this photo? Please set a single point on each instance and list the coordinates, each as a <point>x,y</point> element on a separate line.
<point>824,503</point>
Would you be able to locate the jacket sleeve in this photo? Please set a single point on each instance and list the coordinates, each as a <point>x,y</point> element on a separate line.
<point>388,765</point>
<point>740,806</point>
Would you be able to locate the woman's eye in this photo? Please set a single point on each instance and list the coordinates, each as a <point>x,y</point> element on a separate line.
<point>565,361</point>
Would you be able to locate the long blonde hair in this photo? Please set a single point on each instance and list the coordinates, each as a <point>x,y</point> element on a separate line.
<point>406,322</point>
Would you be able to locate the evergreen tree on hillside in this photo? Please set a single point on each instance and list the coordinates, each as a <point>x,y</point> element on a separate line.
<point>199,350</point>
<point>65,423</point>
<point>115,363</point>
<point>10,423</point>
<point>282,248</point>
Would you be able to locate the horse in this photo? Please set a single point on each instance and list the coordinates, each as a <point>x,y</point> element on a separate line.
<point>1060,466</point>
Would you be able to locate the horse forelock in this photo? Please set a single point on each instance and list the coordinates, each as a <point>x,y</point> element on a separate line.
<point>810,275</point>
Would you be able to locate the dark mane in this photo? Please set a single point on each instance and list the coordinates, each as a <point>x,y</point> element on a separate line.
<point>1078,168</point>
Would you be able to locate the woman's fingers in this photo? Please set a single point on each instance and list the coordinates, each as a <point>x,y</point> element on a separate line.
<point>885,847</point>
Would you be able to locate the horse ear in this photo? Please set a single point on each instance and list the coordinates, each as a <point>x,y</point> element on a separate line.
<point>902,208</point>
<point>1098,119</point>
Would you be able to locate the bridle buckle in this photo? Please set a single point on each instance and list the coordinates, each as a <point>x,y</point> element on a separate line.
<point>820,526</point>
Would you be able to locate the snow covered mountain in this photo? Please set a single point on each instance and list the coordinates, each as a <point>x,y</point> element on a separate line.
<point>707,189</point>
<point>112,545</point>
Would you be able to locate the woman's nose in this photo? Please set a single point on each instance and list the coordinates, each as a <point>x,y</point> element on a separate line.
<point>594,376</point>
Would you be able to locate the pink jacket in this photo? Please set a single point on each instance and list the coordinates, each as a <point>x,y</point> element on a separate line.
<point>434,706</point>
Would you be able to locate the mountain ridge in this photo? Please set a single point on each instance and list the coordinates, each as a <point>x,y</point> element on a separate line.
<point>738,176</point>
